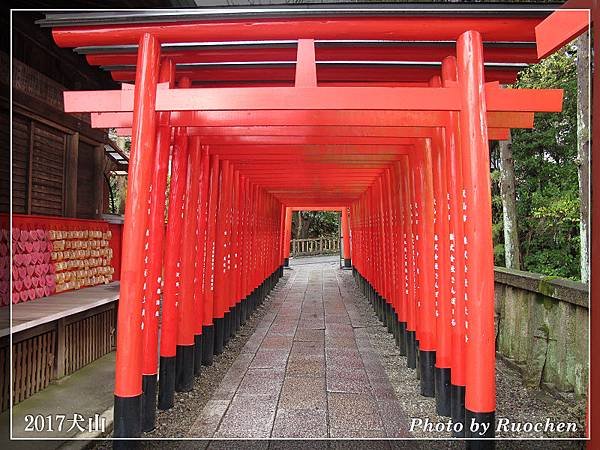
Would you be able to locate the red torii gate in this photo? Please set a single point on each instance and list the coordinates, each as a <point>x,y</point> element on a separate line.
<point>403,149</point>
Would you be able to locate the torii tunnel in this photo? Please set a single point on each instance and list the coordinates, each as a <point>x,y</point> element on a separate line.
<point>383,114</point>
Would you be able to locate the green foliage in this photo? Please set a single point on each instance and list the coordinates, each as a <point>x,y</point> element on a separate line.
<point>546,176</point>
<point>315,224</point>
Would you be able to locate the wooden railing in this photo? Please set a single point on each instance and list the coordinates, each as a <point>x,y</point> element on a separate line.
<point>327,245</point>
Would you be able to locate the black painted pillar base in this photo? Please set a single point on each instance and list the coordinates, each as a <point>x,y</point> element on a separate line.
<point>347,262</point>
<point>442,391</point>
<point>411,350</point>
<point>166,382</point>
<point>184,368</point>
<point>244,311</point>
<point>418,356</point>
<point>127,419</point>
<point>219,335</point>
<point>457,407</point>
<point>238,317</point>
<point>286,262</point>
<point>226,327</point>
<point>390,317</point>
<point>208,341</point>
<point>402,338</point>
<point>478,420</point>
<point>427,365</point>
<point>148,402</point>
<point>198,348</point>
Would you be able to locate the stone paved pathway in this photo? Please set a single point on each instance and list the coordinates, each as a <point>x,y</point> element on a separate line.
<point>308,371</point>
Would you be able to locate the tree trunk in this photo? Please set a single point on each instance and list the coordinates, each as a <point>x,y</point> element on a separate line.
<point>583,148</point>
<point>512,253</point>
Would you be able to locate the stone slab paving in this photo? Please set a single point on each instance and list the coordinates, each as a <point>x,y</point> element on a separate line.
<point>308,371</point>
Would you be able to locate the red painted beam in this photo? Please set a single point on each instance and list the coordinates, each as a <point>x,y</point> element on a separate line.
<point>316,98</point>
<point>266,75</point>
<point>329,52</point>
<point>264,136</point>
<point>430,28</point>
<point>560,28</point>
<point>498,119</point>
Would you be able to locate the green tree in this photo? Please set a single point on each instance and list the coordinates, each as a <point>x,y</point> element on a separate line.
<point>546,176</point>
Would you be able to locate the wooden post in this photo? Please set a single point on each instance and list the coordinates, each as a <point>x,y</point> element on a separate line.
<point>98,180</point>
<point>59,369</point>
<point>71,161</point>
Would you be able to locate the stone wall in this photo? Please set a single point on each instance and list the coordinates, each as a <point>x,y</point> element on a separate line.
<point>542,326</point>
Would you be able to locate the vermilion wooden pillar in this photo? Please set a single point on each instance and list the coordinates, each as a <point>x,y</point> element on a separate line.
<point>156,232</point>
<point>220,291</point>
<point>400,257</point>
<point>208,330</point>
<point>346,234</point>
<point>410,215</point>
<point>169,322</point>
<point>201,259</point>
<point>426,326</point>
<point>287,233</point>
<point>184,366</point>
<point>128,369</point>
<point>443,353</point>
<point>282,233</point>
<point>480,400</point>
<point>456,252</point>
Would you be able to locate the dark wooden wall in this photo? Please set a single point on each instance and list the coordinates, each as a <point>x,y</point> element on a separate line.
<point>58,159</point>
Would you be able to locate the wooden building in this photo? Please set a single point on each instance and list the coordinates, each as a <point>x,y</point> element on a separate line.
<point>60,184</point>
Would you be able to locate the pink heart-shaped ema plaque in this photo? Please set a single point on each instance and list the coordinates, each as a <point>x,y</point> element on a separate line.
<point>27,282</point>
<point>45,258</point>
<point>42,280</point>
<point>30,270</point>
<point>39,269</point>
<point>36,246</point>
<point>16,297</point>
<point>24,295</point>
<point>16,233</point>
<point>27,259</point>
<point>33,236</point>
<point>18,259</point>
<point>21,246</point>
<point>15,272</point>
<point>50,246</point>
<point>35,281</point>
<point>47,291</point>
<point>39,292</point>
<point>31,294</point>
<point>51,268</point>
<point>22,272</point>
<point>17,285</point>
<point>50,280</point>
<point>29,247</point>
<point>41,234</point>
<point>24,236</point>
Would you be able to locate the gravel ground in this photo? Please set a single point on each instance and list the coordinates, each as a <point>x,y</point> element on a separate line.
<point>514,401</point>
<point>190,404</point>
